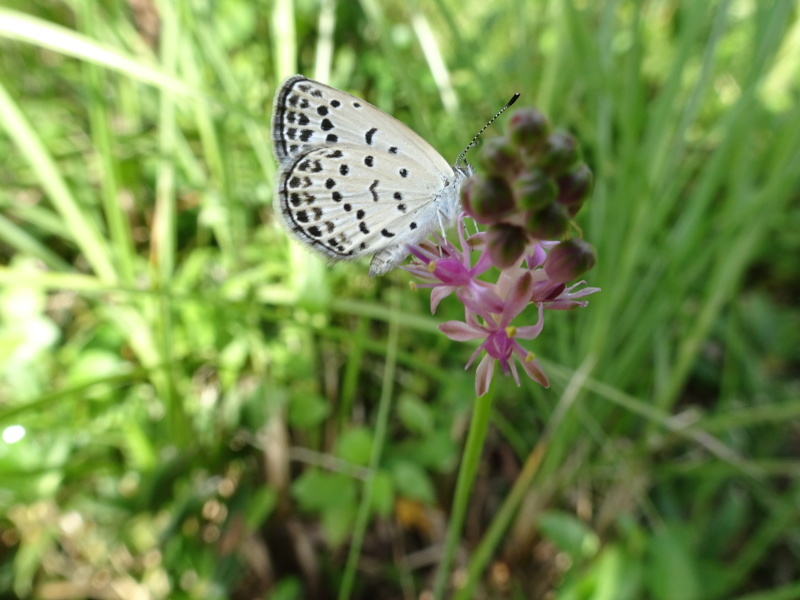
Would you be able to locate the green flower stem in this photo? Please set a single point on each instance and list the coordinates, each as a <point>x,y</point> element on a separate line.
<point>501,521</point>
<point>485,550</point>
<point>466,477</point>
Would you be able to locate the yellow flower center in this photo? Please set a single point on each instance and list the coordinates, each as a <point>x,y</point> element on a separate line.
<point>511,331</point>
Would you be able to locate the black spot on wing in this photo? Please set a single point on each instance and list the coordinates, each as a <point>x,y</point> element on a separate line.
<point>369,135</point>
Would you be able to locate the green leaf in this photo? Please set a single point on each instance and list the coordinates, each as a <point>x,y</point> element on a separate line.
<point>318,490</point>
<point>355,446</point>
<point>670,569</point>
<point>570,534</point>
<point>307,410</point>
<point>413,482</point>
<point>383,493</point>
<point>259,506</point>
<point>436,451</point>
<point>338,521</point>
<point>415,414</point>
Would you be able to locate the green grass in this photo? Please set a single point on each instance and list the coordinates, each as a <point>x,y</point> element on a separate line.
<point>210,412</point>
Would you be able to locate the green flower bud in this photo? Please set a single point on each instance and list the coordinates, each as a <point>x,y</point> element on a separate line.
<point>528,129</point>
<point>505,244</point>
<point>487,200</point>
<point>575,187</point>
<point>534,190</point>
<point>569,260</point>
<point>549,223</point>
<point>559,154</point>
<point>497,156</point>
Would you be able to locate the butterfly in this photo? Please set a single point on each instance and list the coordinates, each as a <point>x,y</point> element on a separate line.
<point>354,181</point>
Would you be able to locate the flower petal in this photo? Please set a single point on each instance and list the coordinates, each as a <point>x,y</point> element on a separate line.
<point>531,366</point>
<point>484,263</point>
<point>535,372</point>
<point>438,294</point>
<point>536,258</point>
<point>460,331</point>
<point>513,364</point>
<point>479,297</point>
<point>483,375</point>
<point>580,293</point>
<point>531,331</point>
<point>518,299</point>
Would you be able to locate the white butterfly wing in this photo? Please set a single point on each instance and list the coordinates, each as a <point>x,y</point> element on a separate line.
<point>309,113</point>
<point>354,181</point>
<point>345,204</point>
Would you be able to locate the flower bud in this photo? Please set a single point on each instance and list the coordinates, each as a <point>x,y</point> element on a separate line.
<point>534,190</point>
<point>559,154</point>
<point>569,260</point>
<point>487,199</point>
<point>574,188</point>
<point>549,223</point>
<point>497,156</point>
<point>528,129</point>
<point>506,244</point>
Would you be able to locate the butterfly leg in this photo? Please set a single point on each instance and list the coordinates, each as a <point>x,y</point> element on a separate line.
<point>387,260</point>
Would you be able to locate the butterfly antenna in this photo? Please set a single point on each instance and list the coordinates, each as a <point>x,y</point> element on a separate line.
<point>477,135</point>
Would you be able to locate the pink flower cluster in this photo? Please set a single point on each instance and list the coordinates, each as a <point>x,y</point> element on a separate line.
<point>491,308</point>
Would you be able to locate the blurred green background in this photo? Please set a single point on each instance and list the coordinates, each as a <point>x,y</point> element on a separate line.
<point>188,400</point>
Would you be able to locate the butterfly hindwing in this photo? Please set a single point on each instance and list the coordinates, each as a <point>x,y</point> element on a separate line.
<point>346,204</point>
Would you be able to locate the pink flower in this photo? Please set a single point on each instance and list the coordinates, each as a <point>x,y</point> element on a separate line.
<point>551,294</point>
<point>500,337</point>
<point>448,269</point>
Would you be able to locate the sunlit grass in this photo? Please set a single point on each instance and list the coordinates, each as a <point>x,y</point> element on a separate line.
<point>169,361</point>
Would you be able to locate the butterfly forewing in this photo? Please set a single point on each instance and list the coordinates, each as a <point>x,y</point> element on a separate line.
<point>355,181</point>
<point>307,112</point>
